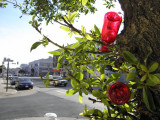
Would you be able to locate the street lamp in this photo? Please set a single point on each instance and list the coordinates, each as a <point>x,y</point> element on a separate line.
<point>7,60</point>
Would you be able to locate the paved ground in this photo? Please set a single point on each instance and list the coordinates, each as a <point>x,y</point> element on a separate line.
<point>12,92</point>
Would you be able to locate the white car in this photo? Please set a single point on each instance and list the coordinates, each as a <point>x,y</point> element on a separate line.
<point>50,77</point>
<point>59,81</point>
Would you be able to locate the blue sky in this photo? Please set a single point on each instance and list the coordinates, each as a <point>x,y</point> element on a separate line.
<point>17,35</point>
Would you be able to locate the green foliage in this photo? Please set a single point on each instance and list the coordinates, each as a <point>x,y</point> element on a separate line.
<point>46,81</point>
<point>3,3</point>
<point>44,42</point>
<point>130,57</point>
<point>109,3</point>
<point>35,45</point>
<point>84,56</point>
<point>153,67</point>
<point>55,53</point>
<point>148,99</point>
<point>65,28</point>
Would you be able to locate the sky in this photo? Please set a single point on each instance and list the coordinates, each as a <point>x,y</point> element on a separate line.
<point>17,35</point>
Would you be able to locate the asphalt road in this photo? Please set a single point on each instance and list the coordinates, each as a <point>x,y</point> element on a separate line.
<point>51,99</point>
<point>39,83</point>
<point>37,105</point>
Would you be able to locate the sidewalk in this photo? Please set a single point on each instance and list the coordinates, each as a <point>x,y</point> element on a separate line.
<point>12,92</point>
<point>3,92</point>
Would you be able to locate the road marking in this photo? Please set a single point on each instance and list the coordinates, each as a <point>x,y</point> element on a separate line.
<point>63,92</point>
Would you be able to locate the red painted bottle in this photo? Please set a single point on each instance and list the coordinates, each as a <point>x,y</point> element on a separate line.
<point>119,93</point>
<point>112,21</point>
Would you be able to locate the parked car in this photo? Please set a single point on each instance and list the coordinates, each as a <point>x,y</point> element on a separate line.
<point>59,81</point>
<point>24,82</point>
<point>10,76</point>
<point>13,80</point>
<point>50,77</point>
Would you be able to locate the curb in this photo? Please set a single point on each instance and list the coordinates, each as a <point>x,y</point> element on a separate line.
<point>43,118</point>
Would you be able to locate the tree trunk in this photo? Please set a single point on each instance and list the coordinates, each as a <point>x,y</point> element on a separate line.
<point>141,35</point>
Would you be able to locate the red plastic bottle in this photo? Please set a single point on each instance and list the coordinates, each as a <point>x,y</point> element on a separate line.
<point>110,28</point>
<point>119,93</point>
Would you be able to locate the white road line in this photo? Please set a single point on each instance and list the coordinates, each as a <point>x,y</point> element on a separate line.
<point>63,92</point>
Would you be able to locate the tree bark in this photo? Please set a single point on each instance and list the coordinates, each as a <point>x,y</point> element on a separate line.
<point>141,35</point>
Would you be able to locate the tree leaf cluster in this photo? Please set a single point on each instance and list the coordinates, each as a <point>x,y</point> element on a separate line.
<point>84,58</point>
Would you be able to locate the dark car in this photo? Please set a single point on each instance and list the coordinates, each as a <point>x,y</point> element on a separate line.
<point>13,80</point>
<point>24,82</point>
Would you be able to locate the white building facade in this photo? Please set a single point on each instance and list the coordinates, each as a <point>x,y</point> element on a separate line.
<point>41,67</point>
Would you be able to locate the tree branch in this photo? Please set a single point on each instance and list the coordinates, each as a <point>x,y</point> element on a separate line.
<point>94,100</point>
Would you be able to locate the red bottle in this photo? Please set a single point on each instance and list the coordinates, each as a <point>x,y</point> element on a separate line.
<point>104,48</point>
<point>110,28</point>
<point>119,93</point>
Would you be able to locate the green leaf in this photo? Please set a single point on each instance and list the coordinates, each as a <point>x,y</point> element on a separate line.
<point>145,98</point>
<point>144,77</point>
<point>148,99</point>
<point>96,93</point>
<point>113,77</point>
<point>35,45</point>
<point>61,59</point>
<point>95,83</point>
<point>83,29</point>
<point>79,48</point>
<point>144,68</point>
<point>84,85</point>
<point>131,75</point>
<point>80,97</point>
<point>73,15</point>
<point>95,112</point>
<point>153,67</point>
<point>105,102</point>
<point>116,75</point>
<point>157,75</point>
<point>91,72</point>
<point>102,76</point>
<point>65,18</point>
<point>88,37</point>
<point>85,92</point>
<point>70,34</point>
<point>71,92</point>
<point>150,83</point>
<point>69,15</point>
<point>58,66</point>
<point>130,57</point>
<point>79,75</point>
<point>55,53</point>
<point>74,83</point>
<point>46,81</point>
<point>154,78</point>
<point>65,28</point>
<point>76,33</point>
<point>97,30</point>
<point>74,45</point>
<point>84,2</point>
<point>85,109</point>
<point>79,39</point>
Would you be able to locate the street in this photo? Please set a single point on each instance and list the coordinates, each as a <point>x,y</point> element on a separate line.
<point>45,100</point>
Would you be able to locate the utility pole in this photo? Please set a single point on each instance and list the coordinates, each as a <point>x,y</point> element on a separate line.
<point>7,60</point>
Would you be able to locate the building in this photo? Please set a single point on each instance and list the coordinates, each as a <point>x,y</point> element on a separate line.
<point>61,71</point>
<point>41,67</point>
<point>25,68</point>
